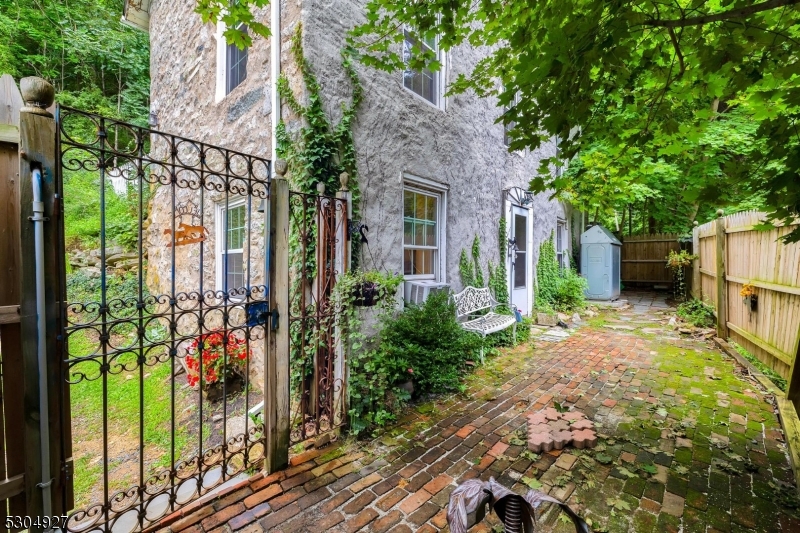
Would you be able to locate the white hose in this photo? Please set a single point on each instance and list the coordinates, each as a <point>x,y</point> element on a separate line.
<point>44,417</point>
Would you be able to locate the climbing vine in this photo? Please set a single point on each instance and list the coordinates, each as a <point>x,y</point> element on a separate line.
<point>498,277</point>
<point>470,267</point>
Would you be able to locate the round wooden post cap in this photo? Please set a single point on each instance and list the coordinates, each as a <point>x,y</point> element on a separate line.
<point>38,95</point>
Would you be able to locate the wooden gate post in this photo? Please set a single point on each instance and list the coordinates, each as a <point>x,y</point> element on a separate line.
<point>697,285</point>
<point>342,266</point>
<point>722,286</point>
<point>38,151</point>
<point>276,371</point>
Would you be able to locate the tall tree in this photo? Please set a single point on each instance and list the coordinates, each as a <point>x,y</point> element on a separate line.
<point>80,46</point>
<point>645,83</point>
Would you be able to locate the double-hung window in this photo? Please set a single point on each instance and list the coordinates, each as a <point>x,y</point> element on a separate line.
<point>231,224</point>
<point>425,82</point>
<point>421,227</point>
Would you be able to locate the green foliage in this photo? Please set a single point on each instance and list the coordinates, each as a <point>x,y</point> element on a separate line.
<point>82,212</point>
<point>697,313</point>
<point>678,262</point>
<point>701,96</point>
<point>470,267</point>
<point>234,14</point>
<point>556,288</point>
<point>81,47</point>
<point>431,343</point>
<point>373,397</point>
<point>773,376</point>
<point>498,277</point>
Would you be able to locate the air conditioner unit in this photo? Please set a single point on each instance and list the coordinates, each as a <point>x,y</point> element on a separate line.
<point>416,292</point>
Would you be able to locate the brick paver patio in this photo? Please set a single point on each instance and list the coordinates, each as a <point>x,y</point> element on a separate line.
<point>687,443</point>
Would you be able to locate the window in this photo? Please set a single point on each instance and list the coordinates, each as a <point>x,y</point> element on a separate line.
<point>231,64</point>
<point>235,65</point>
<point>231,224</point>
<point>561,255</point>
<point>510,126</point>
<point>420,233</point>
<point>425,82</point>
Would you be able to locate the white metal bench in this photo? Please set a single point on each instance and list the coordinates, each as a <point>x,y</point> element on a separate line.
<point>470,301</point>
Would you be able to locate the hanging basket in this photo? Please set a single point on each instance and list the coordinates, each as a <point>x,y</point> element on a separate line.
<point>365,294</point>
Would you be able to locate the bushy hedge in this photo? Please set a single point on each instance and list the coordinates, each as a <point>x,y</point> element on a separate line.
<point>557,288</point>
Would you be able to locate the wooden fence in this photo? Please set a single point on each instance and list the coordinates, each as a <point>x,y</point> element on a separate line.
<point>731,254</point>
<point>644,258</point>
<point>13,498</point>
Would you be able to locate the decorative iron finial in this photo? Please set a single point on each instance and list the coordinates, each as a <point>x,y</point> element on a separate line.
<point>38,95</point>
<point>281,166</point>
<point>720,212</point>
<point>321,188</point>
<point>344,178</point>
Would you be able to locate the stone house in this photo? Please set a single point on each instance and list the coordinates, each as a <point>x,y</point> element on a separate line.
<point>435,170</point>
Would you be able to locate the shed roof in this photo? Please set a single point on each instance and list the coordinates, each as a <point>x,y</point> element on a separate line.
<point>599,235</point>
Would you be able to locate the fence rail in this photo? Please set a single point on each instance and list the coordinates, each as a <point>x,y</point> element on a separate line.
<point>731,254</point>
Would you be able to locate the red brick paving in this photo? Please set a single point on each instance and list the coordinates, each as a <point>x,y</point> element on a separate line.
<point>403,483</point>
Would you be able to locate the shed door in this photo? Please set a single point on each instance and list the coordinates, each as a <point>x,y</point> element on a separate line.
<point>596,275</point>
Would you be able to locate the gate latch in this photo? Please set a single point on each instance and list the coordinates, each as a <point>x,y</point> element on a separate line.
<point>275,317</point>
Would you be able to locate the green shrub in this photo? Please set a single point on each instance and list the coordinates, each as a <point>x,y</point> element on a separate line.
<point>569,292</point>
<point>431,343</point>
<point>557,288</point>
<point>697,313</point>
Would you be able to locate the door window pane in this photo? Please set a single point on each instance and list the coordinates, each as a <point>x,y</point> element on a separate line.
<point>521,263</point>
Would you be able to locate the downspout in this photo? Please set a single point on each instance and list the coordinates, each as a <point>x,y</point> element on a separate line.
<point>38,220</point>
<point>275,66</point>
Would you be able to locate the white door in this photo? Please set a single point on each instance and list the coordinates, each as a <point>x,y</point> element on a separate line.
<point>518,269</point>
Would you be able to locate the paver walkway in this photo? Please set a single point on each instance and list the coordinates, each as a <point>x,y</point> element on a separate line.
<point>686,444</point>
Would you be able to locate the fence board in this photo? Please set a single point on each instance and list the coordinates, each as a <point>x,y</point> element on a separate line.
<point>759,258</point>
<point>644,258</point>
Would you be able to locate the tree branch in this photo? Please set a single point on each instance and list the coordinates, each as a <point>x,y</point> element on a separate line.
<point>677,52</point>
<point>725,15</point>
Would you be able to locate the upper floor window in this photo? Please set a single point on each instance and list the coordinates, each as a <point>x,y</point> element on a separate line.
<point>509,126</point>
<point>235,65</point>
<point>231,64</point>
<point>426,82</point>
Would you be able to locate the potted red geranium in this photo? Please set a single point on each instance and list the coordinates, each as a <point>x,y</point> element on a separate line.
<point>217,378</point>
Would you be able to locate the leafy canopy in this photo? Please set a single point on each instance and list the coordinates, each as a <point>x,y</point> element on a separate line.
<point>642,84</point>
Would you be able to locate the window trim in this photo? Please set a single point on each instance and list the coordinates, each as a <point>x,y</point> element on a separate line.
<point>562,257</point>
<point>441,74</point>
<point>431,188</point>
<point>220,227</point>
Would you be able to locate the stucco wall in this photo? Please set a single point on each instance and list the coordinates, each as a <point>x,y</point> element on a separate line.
<point>396,132</point>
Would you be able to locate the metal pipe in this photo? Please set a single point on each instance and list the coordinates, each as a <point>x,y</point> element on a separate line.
<point>275,68</point>
<point>38,220</point>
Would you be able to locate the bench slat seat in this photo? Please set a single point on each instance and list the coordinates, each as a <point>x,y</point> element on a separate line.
<point>489,323</point>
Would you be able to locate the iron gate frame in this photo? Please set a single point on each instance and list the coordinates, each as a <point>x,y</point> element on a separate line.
<point>196,174</point>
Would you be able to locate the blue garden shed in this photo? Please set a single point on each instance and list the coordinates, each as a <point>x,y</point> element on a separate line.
<point>600,263</point>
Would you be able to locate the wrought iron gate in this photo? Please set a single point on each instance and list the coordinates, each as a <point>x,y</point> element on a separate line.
<point>318,255</point>
<point>164,322</point>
